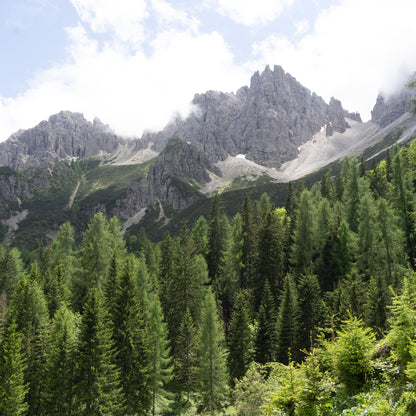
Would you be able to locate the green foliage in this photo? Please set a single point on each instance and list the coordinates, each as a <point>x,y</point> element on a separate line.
<point>97,385</point>
<point>12,368</point>
<point>352,354</point>
<point>212,359</point>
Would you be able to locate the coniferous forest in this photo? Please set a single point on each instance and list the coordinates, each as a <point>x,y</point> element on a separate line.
<point>306,309</point>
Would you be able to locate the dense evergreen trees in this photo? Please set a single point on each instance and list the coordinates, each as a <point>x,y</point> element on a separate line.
<point>288,301</point>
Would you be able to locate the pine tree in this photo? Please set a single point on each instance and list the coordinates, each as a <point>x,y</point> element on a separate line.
<point>212,358</point>
<point>266,343</point>
<point>288,322</point>
<point>98,378</point>
<point>131,354</point>
<point>60,365</point>
<point>240,339</point>
<point>160,369</point>
<point>186,362</point>
<point>13,388</point>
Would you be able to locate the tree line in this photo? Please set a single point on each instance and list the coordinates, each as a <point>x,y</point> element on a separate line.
<point>303,309</point>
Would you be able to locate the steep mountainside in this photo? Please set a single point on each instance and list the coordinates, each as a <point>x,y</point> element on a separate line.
<point>63,137</point>
<point>271,132</point>
<point>267,121</point>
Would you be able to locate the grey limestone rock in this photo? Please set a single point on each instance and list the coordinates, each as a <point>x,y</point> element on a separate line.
<point>63,137</point>
<point>266,121</point>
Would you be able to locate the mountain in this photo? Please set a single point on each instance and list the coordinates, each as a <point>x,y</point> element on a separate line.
<point>65,136</point>
<point>257,139</point>
<point>266,121</point>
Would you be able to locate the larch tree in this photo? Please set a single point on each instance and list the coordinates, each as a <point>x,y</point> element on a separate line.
<point>212,358</point>
<point>13,388</point>
<point>160,360</point>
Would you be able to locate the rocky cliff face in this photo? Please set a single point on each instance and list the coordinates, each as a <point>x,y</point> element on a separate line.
<point>390,108</point>
<point>171,180</point>
<point>63,137</point>
<point>266,121</point>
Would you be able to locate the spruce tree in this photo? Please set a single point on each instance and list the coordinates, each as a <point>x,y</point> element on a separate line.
<point>186,362</point>
<point>97,387</point>
<point>302,249</point>
<point>240,339</point>
<point>13,388</point>
<point>288,322</point>
<point>311,307</point>
<point>249,246</point>
<point>131,354</point>
<point>212,358</point>
<point>270,259</point>
<point>61,363</point>
<point>266,344</point>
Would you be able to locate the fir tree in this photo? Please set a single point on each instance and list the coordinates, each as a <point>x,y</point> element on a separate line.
<point>212,358</point>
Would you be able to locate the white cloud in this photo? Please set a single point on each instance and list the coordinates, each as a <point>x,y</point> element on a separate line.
<point>167,14</point>
<point>353,50</point>
<point>129,91</point>
<point>302,27</point>
<point>249,12</point>
<point>122,17</point>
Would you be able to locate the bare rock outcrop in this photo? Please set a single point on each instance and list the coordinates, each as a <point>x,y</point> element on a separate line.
<point>63,137</point>
<point>266,121</point>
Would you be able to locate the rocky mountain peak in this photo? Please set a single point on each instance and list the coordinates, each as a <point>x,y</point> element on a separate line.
<point>63,136</point>
<point>266,121</point>
<point>389,108</point>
